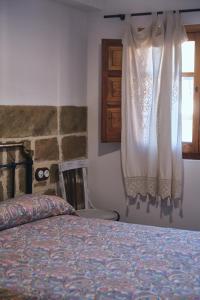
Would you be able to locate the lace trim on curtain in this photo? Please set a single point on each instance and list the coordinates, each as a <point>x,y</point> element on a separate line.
<point>164,188</point>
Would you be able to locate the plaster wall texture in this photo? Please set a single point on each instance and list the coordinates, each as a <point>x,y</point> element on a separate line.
<point>43,48</point>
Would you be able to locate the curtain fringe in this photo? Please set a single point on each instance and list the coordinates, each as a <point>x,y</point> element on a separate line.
<point>166,205</point>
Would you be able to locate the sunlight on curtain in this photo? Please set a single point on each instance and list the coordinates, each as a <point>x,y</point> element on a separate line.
<point>151,109</point>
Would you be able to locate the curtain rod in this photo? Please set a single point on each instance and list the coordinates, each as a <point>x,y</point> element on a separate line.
<point>123,16</point>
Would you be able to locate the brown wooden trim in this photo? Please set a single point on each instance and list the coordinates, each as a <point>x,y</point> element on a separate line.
<point>197,85</point>
<point>106,104</point>
<point>188,74</point>
<point>190,147</point>
<point>192,28</point>
<point>195,156</point>
<point>187,147</point>
<point>191,150</point>
<point>196,103</point>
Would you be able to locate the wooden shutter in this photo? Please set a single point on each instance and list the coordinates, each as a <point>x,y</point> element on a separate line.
<point>111,90</point>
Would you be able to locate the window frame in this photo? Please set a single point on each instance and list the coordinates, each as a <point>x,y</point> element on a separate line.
<point>192,150</point>
<point>112,135</point>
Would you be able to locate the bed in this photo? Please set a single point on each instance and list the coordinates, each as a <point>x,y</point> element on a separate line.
<point>48,252</point>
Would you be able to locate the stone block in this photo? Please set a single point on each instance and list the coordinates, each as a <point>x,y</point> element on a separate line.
<point>50,192</point>
<point>54,174</point>
<point>74,147</point>
<point>46,149</point>
<point>11,155</point>
<point>27,150</point>
<point>40,184</point>
<point>27,145</point>
<point>27,121</point>
<point>73,119</point>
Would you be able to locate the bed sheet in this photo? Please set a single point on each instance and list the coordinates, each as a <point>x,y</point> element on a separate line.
<point>68,257</point>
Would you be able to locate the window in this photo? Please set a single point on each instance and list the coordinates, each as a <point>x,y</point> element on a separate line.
<point>111,92</point>
<point>190,93</point>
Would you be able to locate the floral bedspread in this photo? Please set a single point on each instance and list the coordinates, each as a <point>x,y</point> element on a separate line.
<point>67,257</point>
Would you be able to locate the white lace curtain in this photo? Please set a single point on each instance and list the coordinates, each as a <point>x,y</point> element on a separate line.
<point>151,109</point>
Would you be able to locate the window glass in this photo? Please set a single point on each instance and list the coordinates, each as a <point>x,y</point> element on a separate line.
<point>187,108</point>
<point>188,50</point>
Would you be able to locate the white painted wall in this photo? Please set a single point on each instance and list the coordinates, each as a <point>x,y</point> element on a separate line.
<point>131,6</point>
<point>43,48</point>
<point>43,61</point>
<point>105,180</point>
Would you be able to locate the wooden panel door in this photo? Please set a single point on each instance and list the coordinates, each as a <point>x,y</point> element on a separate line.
<point>111,90</point>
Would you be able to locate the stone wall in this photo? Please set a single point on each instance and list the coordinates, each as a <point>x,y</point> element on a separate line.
<point>53,134</point>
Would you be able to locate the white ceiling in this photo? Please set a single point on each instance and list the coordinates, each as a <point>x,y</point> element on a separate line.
<point>129,6</point>
<point>87,5</point>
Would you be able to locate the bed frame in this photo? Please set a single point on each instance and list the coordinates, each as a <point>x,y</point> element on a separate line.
<point>27,162</point>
